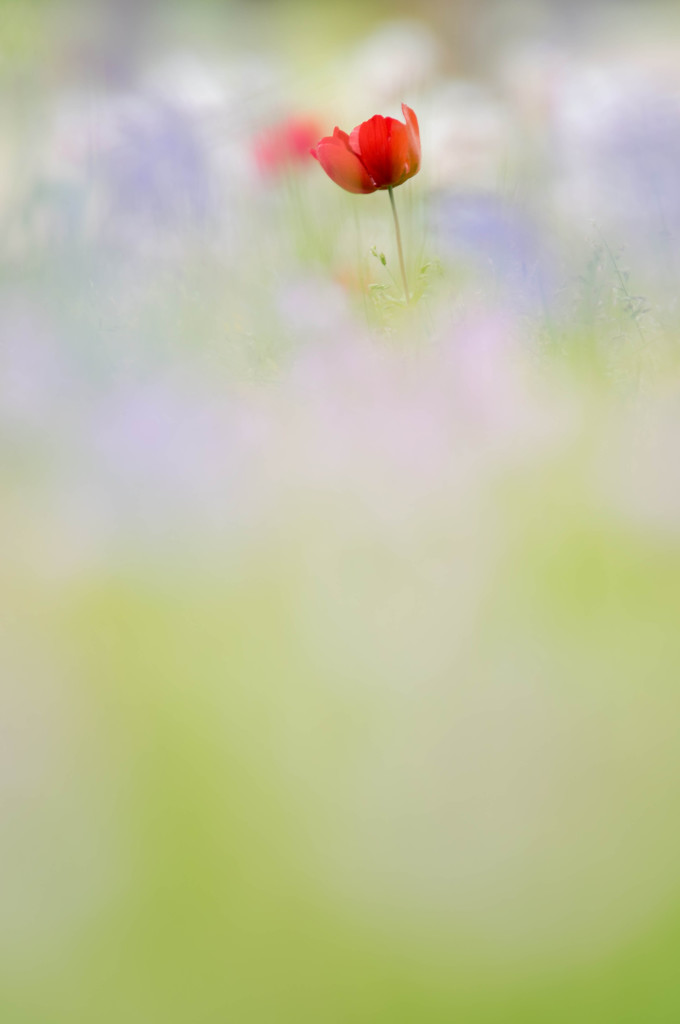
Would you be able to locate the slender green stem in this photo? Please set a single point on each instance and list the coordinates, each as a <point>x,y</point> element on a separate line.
<point>401,253</point>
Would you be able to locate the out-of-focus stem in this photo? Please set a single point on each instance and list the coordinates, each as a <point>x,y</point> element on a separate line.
<point>401,253</point>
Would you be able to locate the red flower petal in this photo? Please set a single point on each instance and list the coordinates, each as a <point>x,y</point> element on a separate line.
<point>384,147</point>
<point>413,137</point>
<point>342,165</point>
<point>354,140</point>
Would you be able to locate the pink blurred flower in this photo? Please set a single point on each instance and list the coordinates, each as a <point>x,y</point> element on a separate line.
<point>285,144</point>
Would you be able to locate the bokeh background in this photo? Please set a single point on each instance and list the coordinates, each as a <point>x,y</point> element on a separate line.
<point>339,646</point>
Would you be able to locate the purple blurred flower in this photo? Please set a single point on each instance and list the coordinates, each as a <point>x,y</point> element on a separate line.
<point>156,169</point>
<point>500,241</point>
<point>638,161</point>
<point>616,149</point>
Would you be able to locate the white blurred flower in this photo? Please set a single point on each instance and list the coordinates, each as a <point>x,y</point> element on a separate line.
<point>397,59</point>
<point>466,135</point>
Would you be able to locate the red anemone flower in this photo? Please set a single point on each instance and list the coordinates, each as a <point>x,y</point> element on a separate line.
<point>379,154</point>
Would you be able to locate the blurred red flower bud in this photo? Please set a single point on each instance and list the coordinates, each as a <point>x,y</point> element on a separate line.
<point>286,143</point>
<point>379,154</point>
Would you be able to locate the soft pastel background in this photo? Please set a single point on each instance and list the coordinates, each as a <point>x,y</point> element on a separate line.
<point>339,640</point>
